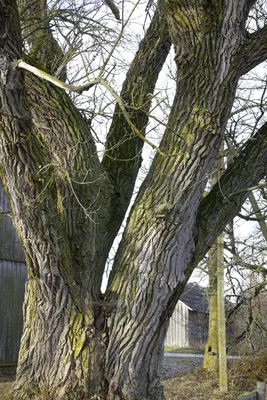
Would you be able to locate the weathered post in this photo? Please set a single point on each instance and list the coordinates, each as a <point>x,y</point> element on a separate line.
<point>258,394</point>
<point>261,389</point>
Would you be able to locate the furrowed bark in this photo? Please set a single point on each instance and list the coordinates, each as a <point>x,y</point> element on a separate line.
<point>36,30</point>
<point>60,199</point>
<point>144,280</point>
<point>62,352</point>
<point>37,166</point>
<point>225,199</point>
<point>75,179</point>
<point>254,50</point>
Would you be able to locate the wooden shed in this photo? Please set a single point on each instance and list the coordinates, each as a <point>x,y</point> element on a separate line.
<point>13,275</point>
<point>190,320</point>
<point>177,334</point>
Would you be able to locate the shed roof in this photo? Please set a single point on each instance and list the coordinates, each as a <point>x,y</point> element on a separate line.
<point>196,297</point>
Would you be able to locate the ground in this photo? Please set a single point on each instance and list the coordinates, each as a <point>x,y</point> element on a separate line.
<point>7,375</point>
<point>194,385</point>
<point>243,374</point>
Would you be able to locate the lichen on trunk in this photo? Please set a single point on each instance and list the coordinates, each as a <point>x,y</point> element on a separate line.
<point>57,346</point>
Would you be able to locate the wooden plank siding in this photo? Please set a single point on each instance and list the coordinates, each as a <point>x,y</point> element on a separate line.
<point>177,334</point>
<point>13,275</point>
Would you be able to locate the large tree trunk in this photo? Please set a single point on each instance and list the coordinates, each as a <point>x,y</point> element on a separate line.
<point>67,207</point>
<point>158,242</point>
<point>62,352</point>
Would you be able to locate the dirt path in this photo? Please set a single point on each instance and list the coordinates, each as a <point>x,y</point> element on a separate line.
<point>173,366</point>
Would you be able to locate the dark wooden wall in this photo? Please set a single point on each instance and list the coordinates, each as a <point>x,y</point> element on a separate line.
<point>13,275</point>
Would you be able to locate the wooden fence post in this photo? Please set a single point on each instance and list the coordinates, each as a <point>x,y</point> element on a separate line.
<point>258,394</point>
<point>261,389</point>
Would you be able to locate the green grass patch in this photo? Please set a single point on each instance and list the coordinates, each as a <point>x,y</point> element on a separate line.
<point>183,350</point>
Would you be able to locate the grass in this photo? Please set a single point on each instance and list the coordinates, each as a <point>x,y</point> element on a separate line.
<point>198,385</point>
<point>183,350</point>
<point>6,380</point>
<point>193,386</point>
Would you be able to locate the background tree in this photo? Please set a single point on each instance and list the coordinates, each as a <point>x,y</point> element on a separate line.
<point>68,205</point>
<point>248,281</point>
<point>215,349</point>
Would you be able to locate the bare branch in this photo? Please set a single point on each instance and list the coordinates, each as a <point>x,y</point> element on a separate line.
<point>57,82</point>
<point>123,149</point>
<point>223,202</point>
<point>249,189</point>
<point>113,8</point>
<point>258,214</point>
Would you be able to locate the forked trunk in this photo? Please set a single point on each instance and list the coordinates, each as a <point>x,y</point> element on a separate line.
<point>77,344</point>
<point>63,352</point>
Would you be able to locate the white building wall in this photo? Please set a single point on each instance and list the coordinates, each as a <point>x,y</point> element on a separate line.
<point>177,334</point>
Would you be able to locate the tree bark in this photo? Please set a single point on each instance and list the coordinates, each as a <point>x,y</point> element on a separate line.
<point>58,191</point>
<point>158,241</point>
<point>56,358</point>
<point>64,202</point>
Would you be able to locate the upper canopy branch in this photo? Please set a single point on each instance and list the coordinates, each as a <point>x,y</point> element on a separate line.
<point>123,150</point>
<point>122,158</point>
<point>223,202</point>
<point>254,50</point>
<point>225,199</point>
